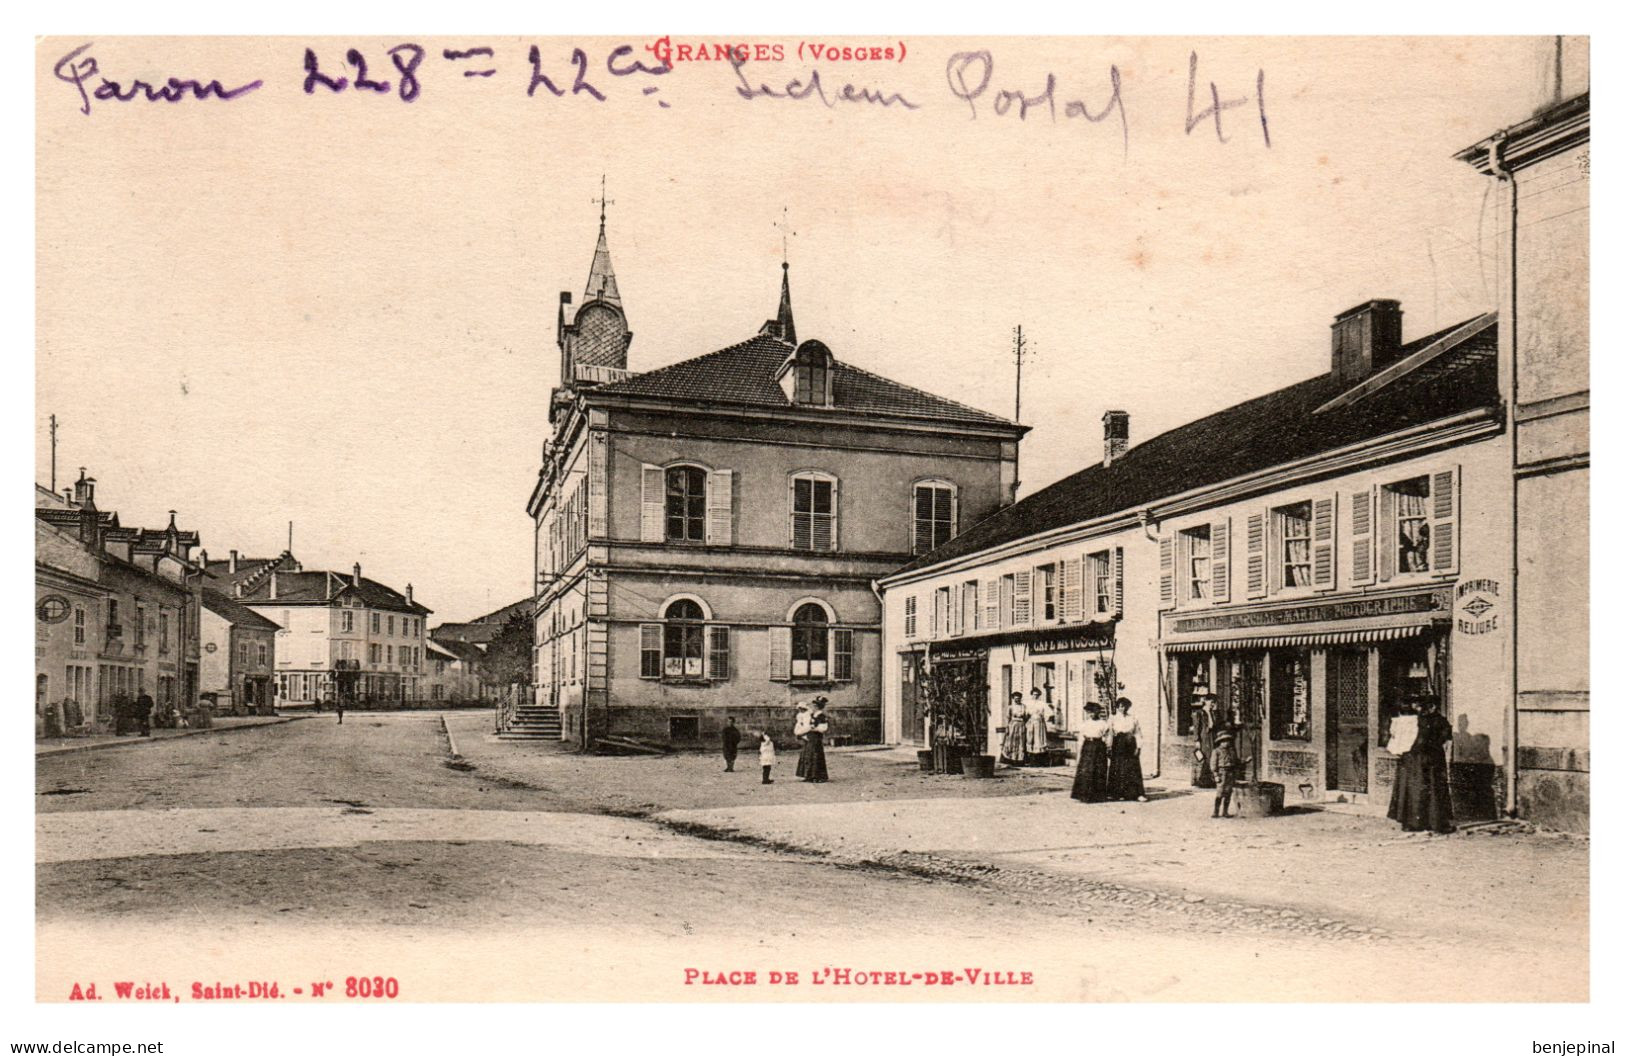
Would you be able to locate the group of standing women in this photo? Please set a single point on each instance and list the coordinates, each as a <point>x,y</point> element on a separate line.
<point>1109,755</point>
<point>1026,730</point>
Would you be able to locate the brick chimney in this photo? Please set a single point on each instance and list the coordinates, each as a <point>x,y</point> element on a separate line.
<point>358,573</point>
<point>273,586</point>
<point>1365,339</point>
<point>1116,439</point>
<point>231,564</point>
<point>409,593</point>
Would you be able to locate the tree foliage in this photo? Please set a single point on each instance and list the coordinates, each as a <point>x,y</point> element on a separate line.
<point>508,657</point>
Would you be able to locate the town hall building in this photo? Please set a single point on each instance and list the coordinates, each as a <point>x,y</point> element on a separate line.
<point>708,534</point>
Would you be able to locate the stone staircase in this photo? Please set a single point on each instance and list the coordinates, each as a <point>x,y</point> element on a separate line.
<point>534,722</point>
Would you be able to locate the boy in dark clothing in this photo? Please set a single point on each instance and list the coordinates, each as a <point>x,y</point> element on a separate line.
<point>730,745</point>
<point>1225,764</point>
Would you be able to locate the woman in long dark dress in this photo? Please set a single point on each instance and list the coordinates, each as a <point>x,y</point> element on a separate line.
<point>1421,800</point>
<point>1124,779</point>
<point>1014,748</point>
<point>1089,784</point>
<point>811,765</point>
<point>1202,724</point>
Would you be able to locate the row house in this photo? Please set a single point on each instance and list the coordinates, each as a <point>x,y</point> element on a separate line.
<point>239,656</point>
<point>451,670</point>
<point>117,611</point>
<point>1542,194</point>
<point>1311,557</point>
<point>707,534</point>
<point>341,637</point>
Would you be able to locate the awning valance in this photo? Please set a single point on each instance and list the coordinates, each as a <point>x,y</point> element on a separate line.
<point>1350,637</point>
<point>1090,634</point>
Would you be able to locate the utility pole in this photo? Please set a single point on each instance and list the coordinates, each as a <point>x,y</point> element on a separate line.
<point>1022,352</point>
<point>53,454</point>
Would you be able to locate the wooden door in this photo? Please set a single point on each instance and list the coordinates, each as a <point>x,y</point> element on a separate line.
<point>1348,721</point>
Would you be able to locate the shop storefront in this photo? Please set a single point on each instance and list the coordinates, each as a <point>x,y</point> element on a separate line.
<point>1313,686</point>
<point>1068,665</point>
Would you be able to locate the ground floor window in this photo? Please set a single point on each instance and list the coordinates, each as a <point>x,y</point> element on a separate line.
<point>1289,694</point>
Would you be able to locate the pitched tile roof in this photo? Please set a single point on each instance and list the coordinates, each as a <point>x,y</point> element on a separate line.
<point>311,588</point>
<point>746,375</point>
<point>1271,430</point>
<point>239,614</point>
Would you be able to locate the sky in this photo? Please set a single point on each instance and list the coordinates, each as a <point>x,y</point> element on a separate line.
<point>338,309</point>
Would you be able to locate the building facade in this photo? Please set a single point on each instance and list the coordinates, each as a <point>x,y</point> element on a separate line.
<point>707,534</point>
<point>117,612</point>
<point>341,637</point>
<point>1542,172</point>
<point>1311,557</point>
<point>238,667</point>
<point>451,670</point>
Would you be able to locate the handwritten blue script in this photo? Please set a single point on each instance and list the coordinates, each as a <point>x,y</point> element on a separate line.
<point>78,71</point>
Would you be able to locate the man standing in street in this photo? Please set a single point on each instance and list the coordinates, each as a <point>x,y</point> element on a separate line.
<point>338,706</point>
<point>143,714</point>
<point>730,745</point>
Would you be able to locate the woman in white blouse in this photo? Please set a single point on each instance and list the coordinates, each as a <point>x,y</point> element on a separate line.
<point>1089,785</point>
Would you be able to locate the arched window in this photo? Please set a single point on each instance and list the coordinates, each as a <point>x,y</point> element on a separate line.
<point>809,642</point>
<point>935,514</point>
<point>685,504</point>
<point>684,646</point>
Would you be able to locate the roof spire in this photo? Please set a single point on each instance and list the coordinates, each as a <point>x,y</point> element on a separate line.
<point>601,280</point>
<point>784,325</point>
<point>787,322</point>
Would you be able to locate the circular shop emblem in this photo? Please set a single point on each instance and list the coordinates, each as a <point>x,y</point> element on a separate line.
<point>209,647</point>
<point>53,608</point>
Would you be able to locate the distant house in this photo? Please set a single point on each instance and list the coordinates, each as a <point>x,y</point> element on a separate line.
<point>239,655</point>
<point>342,636</point>
<point>452,671</point>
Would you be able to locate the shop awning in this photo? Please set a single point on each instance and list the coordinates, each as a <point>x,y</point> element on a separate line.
<point>1090,634</point>
<point>1296,637</point>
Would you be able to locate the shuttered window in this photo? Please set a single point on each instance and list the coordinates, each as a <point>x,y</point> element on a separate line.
<point>685,504</point>
<point>934,515</point>
<point>1100,584</point>
<point>1021,599</point>
<point>1293,530</point>
<point>812,513</point>
<point>911,616</point>
<point>1219,537</point>
<point>809,642</point>
<point>719,508</point>
<point>971,597</point>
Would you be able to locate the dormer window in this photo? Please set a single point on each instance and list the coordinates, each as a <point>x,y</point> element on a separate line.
<point>808,375</point>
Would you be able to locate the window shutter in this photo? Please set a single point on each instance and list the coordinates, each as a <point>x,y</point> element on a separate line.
<point>954,625</point>
<point>1361,536</point>
<point>841,652</point>
<point>1444,491</point>
<point>719,508</point>
<point>716,653</point>
<point>649,650</point>
<point>1255,555</point>
<point>1387,545</point>
<point>1219,548</point>
<point>911,616</point>
<point>834,515</point>
<point>654,504</point>
<point>1117,583</point>
<point>1323,543</point>
<point>1165,571</point>
<point>598,487</point>
<point>990,606</point>
<point>915,519</point>
<point>1072,578</point>
<point>778,664</point>
<point>1021,601</point>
